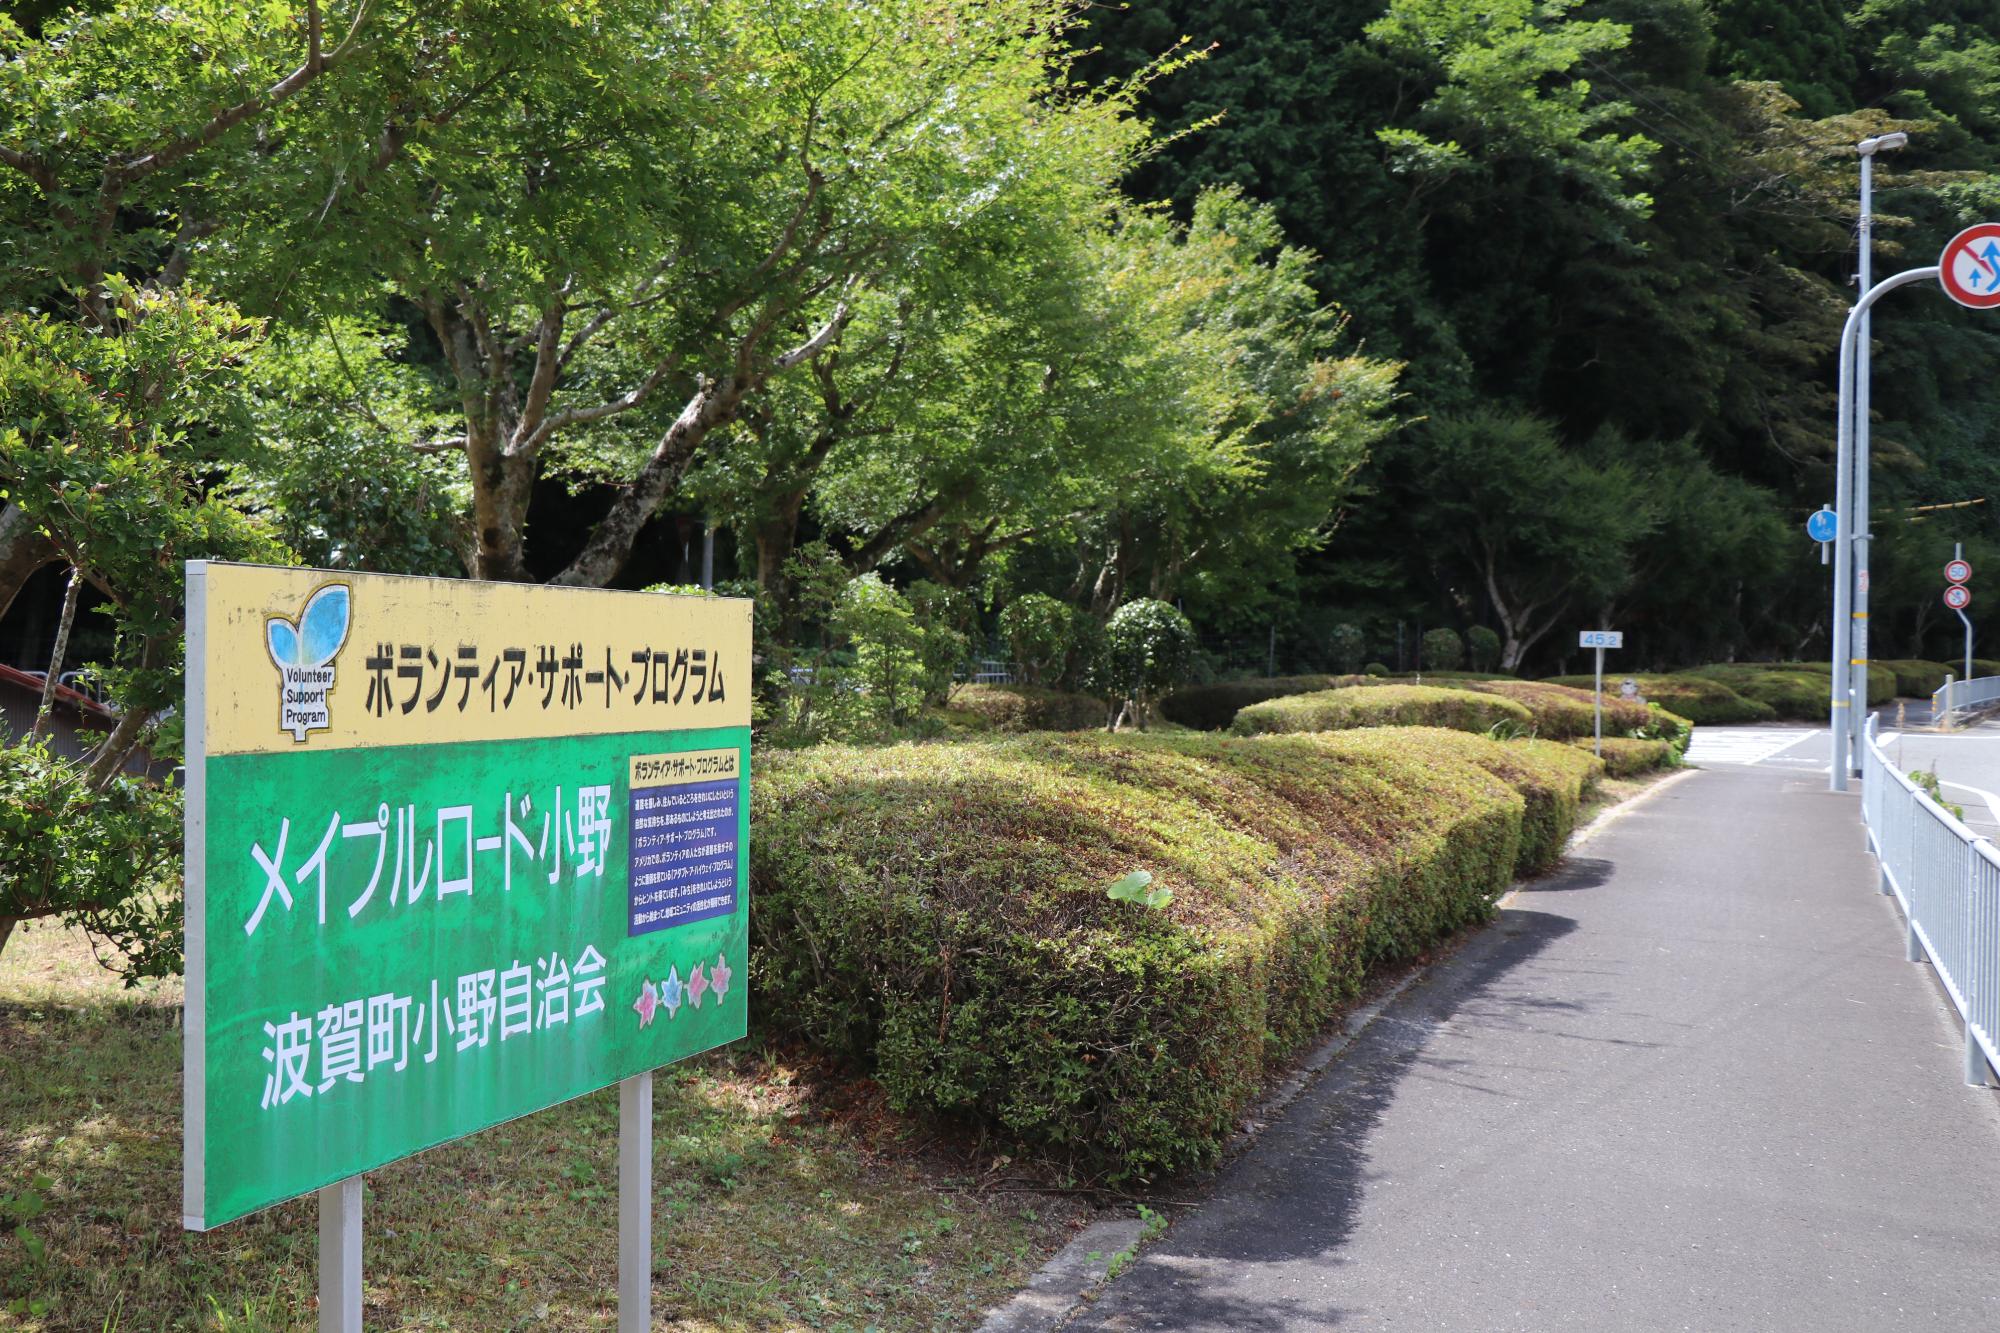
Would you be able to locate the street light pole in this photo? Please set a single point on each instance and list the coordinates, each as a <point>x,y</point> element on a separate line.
<point>1858,615</point>
<point>1843,555</point>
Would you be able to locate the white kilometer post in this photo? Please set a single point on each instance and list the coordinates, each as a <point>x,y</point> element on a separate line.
<point>1600,639</point>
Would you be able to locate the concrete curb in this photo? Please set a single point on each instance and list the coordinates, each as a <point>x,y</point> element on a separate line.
<point>1071,1279</point>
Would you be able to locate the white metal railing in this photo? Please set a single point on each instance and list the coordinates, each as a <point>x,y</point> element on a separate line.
<point>1955,696</point>
<point>1946,878</point>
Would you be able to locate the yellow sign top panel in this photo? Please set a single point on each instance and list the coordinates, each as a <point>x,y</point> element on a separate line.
<point>292,659</point>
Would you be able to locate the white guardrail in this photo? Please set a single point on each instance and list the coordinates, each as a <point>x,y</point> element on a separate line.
<point>1946,878</point>
<point>1956,696</point>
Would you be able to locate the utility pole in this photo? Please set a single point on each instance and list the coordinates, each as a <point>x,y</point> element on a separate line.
<point>1858,642</point>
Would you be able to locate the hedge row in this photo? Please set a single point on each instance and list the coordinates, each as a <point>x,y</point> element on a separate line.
<point>1794,691</point>
<point>1626,756</point>
<point>936,914</point>
<point>1023,708</point>
<point>1382,706</point>
<point>1700,700</point>
<point>1214,707</point>
<point>1561,712</point>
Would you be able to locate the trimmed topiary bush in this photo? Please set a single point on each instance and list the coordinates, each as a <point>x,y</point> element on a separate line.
<point>1442,650</point>
<point>1375,669</point>
<point>1382,706</point>
<point>1039,631</point>
<point>1013,708</point>
<point>936,914</point>
<point>1148,649</point>
<point>1482,649</point>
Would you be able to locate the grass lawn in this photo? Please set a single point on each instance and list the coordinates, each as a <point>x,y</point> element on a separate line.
<point>782,1199</point>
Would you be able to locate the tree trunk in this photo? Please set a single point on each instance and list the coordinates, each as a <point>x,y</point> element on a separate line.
<point>7,924</point>
<point>502,487</point>
<point>63,624</point>
<point>24,550</point>
<point>716,403</point>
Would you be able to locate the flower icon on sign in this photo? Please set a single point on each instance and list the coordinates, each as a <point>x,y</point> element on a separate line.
<point>648,1001</point>
<point>303,652</point>
<point>718,978</point>
<point>697,986</point>
<point>670,992</point>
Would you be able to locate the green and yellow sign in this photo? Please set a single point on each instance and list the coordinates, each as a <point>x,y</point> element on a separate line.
<point>456,852</point>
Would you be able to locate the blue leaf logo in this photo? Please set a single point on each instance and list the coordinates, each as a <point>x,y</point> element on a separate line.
<point>303,652</point>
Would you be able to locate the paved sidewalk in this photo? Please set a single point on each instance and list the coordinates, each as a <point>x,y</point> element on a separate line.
<point>1689,1083</point>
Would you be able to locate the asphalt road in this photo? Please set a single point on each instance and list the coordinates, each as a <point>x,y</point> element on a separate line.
<point>1687,1083</point>
<point>1967,763</point>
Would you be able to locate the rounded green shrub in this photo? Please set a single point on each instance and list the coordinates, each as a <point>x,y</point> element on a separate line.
<point>1375,669</point>
<point>1346,646</point>
<point>1702,701</point>
<point>1149,648</point>
<point>1382,706</point>
<point>1039,634</point>
<point>1213,707</point>
<point>1482,648</point>
<point>1443,650</point>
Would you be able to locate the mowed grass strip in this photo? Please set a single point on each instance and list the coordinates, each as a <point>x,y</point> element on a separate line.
<point>782,1201</point>
<point>937,915</point>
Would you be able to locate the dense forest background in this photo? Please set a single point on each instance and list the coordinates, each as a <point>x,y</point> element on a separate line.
<point>1382,314</point>
<point>1617,314</point>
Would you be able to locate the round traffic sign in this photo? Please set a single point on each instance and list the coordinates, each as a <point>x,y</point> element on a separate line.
<point>1822,526</point>
<point>1969,269</point>
<point>1958,597</point>
<point>1957,571</point>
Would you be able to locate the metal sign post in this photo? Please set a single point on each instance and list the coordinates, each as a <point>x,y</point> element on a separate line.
<point>1959,573</point>
<point>1822,527</point>
<point>635,1203</point>
<point>340,1257</point>
<point>1600,639</point>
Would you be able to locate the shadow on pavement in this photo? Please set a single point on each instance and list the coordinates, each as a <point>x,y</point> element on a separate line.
<point>1296,1194</point>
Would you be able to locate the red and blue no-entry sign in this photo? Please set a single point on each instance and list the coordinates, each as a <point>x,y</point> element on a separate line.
<point>1969,269</point>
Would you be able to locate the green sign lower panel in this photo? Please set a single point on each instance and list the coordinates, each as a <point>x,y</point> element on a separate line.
<point>402,946</point>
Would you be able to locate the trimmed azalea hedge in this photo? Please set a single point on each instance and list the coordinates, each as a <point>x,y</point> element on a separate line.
<point>1382,706</point>
<point>1560,712</point>
<point>1795,691</point>
<point>936,914</point>
<point>1918,679</point>
<point>1702,701</point>
<point>1626,756</point>
<point>1023,708</point>
<point>1214,707</point>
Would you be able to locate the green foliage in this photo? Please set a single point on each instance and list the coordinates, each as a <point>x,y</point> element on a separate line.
<point>1560,712</point>
<point>1380,706</point>
<point>1149,648</point>
<point>935,915</point>
<point>1482,649</point>
<point>1699,699</point>
<point>1039,632</point>
<point>888,650</point>
<point>17,1210</point>
<point>1442,650</point>
<point>1794,691</point>
<point>1212,707</point>
<point>1376,669</point>
<point>1012,708</point>
<point>1137,888</point>
<point>1928,782</point>
<point>1347,647</point>
<point>105,857</point>
<point>1629,756</point>
<point>1919,680</point>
